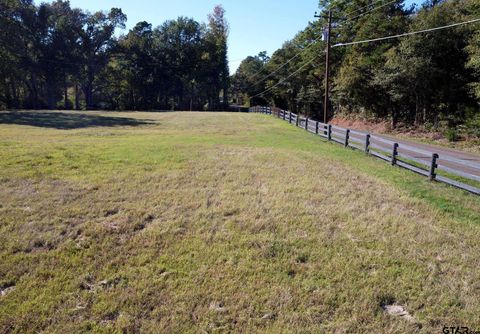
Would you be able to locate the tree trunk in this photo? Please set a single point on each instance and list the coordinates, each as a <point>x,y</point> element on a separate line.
<point>394,118</point>
<point>50,83</point>
<point>10,94</point>
<point>88,89</point>
<point>77,97</point>
<point>32,87</point>
<point>417,110</point>
<point>65,94</point>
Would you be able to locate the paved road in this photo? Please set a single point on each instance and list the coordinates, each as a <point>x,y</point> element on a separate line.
<point>469,162</point>
<point>438,149</point>
<point>450,160</point>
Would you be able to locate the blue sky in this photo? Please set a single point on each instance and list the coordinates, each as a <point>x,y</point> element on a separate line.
<point>256,25</point>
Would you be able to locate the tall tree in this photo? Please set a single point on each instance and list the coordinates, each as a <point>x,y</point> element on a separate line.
<point>244,82</point>
<point>218,36</point>
<point>96,45</point>
<point>472,8</point>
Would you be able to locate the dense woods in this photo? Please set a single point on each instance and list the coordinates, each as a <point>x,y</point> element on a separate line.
<point>54,56</point>
<point>429,79</point>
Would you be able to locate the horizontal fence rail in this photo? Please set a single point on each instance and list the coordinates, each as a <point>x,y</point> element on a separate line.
<point>437,167</point>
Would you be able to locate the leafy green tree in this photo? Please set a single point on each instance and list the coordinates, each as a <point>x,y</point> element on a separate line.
<point>420,79</point>
<point>180,42</point>
<point>425,74</point>
<point>217,37</point>
<point>472,8</point>
<point>95,47</point>
<point>46,51</point>
<point>13,51</point>
<point>244,83</point>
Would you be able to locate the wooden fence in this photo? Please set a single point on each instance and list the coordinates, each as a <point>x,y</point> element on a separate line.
<point>441,168</point>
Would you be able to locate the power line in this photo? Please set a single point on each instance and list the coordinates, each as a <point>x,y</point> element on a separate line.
<point>284,64</point>
<point>257,72</point>
<point>314,41</point>
<point>369,11</point>
<point>282,81</point>
<point>364,7</point>
<point>407,34</point>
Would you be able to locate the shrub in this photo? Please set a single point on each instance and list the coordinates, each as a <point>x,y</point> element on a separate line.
<point>451,134</point>
<point>472,126</point>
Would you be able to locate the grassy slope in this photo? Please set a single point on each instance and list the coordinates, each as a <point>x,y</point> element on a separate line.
<point>218,222</point>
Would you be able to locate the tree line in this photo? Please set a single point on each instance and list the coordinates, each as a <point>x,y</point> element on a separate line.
<point>428,79</point>
<point>55,56</point>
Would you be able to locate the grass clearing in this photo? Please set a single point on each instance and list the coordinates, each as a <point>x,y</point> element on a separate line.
<point>216,222</point>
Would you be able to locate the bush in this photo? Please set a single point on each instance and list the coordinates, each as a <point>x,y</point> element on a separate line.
<point>451,134</point>
<point>472,126</point>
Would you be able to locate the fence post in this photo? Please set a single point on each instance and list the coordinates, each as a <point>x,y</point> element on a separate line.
<point>284,114</point>
<point>306,123</point>
<point>298,118</point>
<point>316,127</point>
<point>329,132</point>
<point>347,137</point>
<point>367,143</point>
<point>433,167</point>
<point>394,154</point>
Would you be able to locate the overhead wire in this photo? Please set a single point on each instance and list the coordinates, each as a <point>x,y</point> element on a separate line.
<point>313,42</point>
<point>369,11</point>
<point>351,43</point>
<point>285,79</point>
<point>406,34</point>
<point>364,7</point>
<point>284,64</point>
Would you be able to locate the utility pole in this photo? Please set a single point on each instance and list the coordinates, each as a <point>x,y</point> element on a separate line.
<point>327,69</point>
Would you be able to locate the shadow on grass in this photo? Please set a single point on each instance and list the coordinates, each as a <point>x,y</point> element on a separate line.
<point>66,121</point>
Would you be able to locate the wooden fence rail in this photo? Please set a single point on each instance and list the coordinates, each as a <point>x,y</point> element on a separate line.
<point>455,171</point>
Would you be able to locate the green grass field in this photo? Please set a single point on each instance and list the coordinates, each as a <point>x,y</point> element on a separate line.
<point>217,222</point>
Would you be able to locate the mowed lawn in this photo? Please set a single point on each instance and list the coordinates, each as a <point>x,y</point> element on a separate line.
<point>218,222</point>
